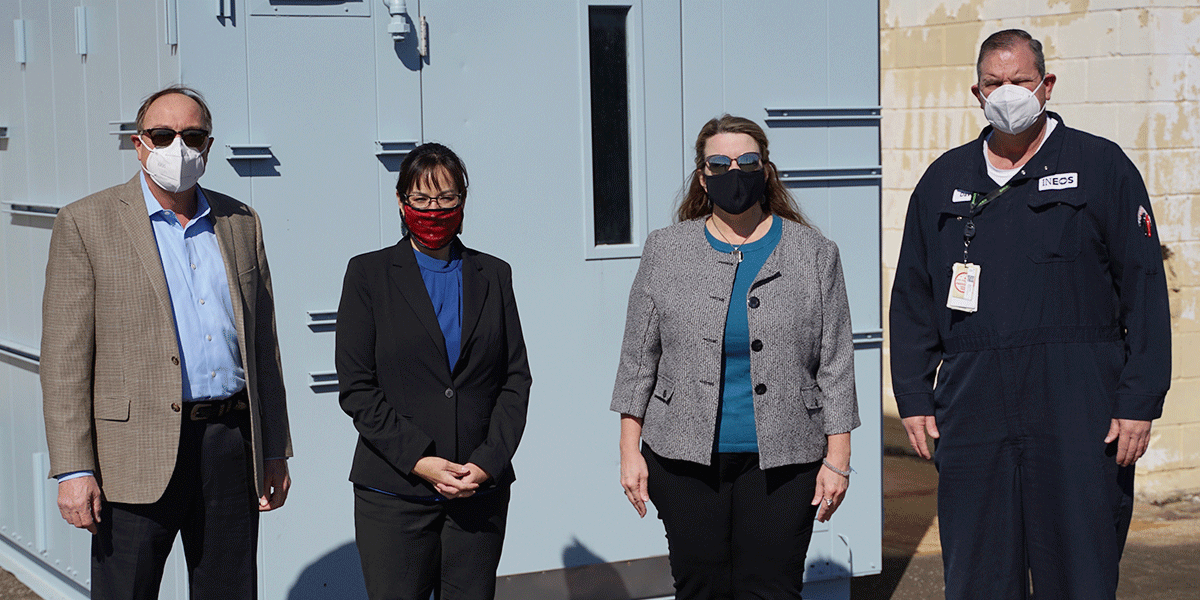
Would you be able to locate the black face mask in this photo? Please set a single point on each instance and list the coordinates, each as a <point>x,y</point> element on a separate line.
<point>737,190</point>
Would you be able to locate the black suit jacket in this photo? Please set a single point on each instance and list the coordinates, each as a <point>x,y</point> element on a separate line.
<point>394,379</point>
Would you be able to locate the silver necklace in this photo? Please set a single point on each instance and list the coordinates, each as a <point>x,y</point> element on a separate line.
<point>737,251</point>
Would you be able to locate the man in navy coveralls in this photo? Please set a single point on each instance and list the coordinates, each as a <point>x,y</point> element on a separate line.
<point>1030,284</point>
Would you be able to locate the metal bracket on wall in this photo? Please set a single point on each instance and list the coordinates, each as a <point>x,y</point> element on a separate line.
<point>249,152</point>
<point>25,354</point>
<point>831,175</point>
<point>3,133</point>
<point>394,148</point>
<point>423,39</point>
<point>864,340</point>
<point>823,115</point>
<point>172,22</point>
<point>81,37</point>
<point>30,210</point>
<point>19,41</point>
<point>123,127</point>
<point>323,381</point>
<point>322,320</point>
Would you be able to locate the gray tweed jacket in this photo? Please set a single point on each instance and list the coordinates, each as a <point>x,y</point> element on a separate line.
<point>670,368</point>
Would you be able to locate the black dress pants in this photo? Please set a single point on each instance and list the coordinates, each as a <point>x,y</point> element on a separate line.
<point>410,549</point>
<point>209,501</point>
<point>734,531</point>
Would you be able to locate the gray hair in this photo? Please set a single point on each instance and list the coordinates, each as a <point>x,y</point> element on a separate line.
<point>1007,40</point>
<point>205,114</point>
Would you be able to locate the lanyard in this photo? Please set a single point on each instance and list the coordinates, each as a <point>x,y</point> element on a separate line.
<point>977,202</point>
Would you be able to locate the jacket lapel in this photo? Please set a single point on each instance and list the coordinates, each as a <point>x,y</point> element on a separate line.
<point>406,276</point>
<point>136,223</point>
<point>223,228</point>
<point>475,289</point>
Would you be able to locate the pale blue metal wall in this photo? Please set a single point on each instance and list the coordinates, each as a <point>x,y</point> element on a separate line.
<point>313,106</point>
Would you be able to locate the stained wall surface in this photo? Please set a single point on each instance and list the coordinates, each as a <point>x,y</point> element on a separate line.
<point>1128,71</point>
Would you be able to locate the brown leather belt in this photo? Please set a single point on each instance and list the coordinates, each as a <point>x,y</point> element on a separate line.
<point>204,410</point>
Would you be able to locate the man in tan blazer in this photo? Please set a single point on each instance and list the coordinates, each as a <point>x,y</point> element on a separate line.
<point>161,380</point>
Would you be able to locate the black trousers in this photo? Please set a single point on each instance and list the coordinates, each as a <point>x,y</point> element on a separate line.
<point>734,531</point>
<point>410,549</point>
<point>209,501</point>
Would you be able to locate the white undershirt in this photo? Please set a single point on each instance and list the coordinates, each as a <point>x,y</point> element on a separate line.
<point>1001,176</point>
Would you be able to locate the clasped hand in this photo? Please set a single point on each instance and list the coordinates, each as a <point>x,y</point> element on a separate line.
<point>450,479</point>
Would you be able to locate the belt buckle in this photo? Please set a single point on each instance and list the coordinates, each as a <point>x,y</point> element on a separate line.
<point>194,414</point>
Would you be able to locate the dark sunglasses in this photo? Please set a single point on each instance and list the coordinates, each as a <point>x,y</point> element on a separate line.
<point>161,137</point>
<point>718,164</point>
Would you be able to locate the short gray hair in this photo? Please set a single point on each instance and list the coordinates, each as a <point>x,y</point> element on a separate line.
<point>183,90</point>
<point>1007,40</point>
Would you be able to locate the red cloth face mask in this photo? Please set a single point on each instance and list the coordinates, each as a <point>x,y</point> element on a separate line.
<point>433,227</point>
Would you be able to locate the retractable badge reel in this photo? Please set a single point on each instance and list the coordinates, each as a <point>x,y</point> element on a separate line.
<point>964,279</point>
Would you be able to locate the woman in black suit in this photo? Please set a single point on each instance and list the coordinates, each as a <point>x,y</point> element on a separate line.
<point>431,366</point>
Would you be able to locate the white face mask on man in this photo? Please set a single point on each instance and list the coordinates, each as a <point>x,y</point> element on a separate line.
<point>176,167</point>
<point>1012,108</point>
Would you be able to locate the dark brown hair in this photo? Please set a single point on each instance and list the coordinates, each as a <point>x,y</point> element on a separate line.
<point>1007,40</point>
<point>777,200</point>
<point>422,164</point>
<point>183,90</point>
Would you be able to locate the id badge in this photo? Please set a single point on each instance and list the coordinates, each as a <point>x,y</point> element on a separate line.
<point>964,288</point>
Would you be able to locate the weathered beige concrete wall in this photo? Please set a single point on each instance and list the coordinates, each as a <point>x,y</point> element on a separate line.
<point>1128,71</point>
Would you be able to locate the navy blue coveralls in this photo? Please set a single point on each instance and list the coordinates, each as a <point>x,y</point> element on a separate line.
<point>1072,330</point>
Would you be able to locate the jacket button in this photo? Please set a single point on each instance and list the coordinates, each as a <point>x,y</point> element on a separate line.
<point>175,360</point>
<point>175,406</point>
<point>753,303</point>
<point>760,389</point>
<point>756,345</point>
<point>449,393</point>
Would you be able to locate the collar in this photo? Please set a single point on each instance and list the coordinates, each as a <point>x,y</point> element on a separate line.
<point>1045,162</point>
<point>154,208</point>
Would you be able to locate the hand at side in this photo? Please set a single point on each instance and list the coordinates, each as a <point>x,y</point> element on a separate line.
<point>79,502</point>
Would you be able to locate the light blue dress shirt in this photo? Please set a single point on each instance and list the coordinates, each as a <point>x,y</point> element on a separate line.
<point>210,360</point>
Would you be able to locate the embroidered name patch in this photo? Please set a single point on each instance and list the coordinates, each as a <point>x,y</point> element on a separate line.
<point>960,196</point>
<point>1061,181</point>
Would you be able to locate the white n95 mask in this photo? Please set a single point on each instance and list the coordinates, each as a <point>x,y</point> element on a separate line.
<point>176,167</point>
<point>1012,108</point>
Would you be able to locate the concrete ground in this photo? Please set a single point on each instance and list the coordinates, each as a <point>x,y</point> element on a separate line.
<point>11,589</point>
<point>1161,560</point>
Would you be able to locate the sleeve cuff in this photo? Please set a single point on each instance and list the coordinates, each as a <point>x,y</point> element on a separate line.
<point>1138,407</point>
<point>917,404</point>
<point>74,475</point>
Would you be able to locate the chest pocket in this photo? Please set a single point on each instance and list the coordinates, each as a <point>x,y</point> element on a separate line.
<point>1052,225</point>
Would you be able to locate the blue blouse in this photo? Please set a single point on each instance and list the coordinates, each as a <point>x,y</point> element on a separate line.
<point>443,281</point>
<point>735,421</point>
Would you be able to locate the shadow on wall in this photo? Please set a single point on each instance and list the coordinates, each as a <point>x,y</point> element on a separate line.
<point>335,575</point>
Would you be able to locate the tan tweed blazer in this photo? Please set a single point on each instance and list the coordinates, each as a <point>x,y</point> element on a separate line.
<point>111,381</point>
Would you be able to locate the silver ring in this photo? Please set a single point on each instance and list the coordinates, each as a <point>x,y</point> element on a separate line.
<point>829,502</point>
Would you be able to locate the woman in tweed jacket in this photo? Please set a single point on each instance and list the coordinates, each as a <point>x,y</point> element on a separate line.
<point>737,376</point>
